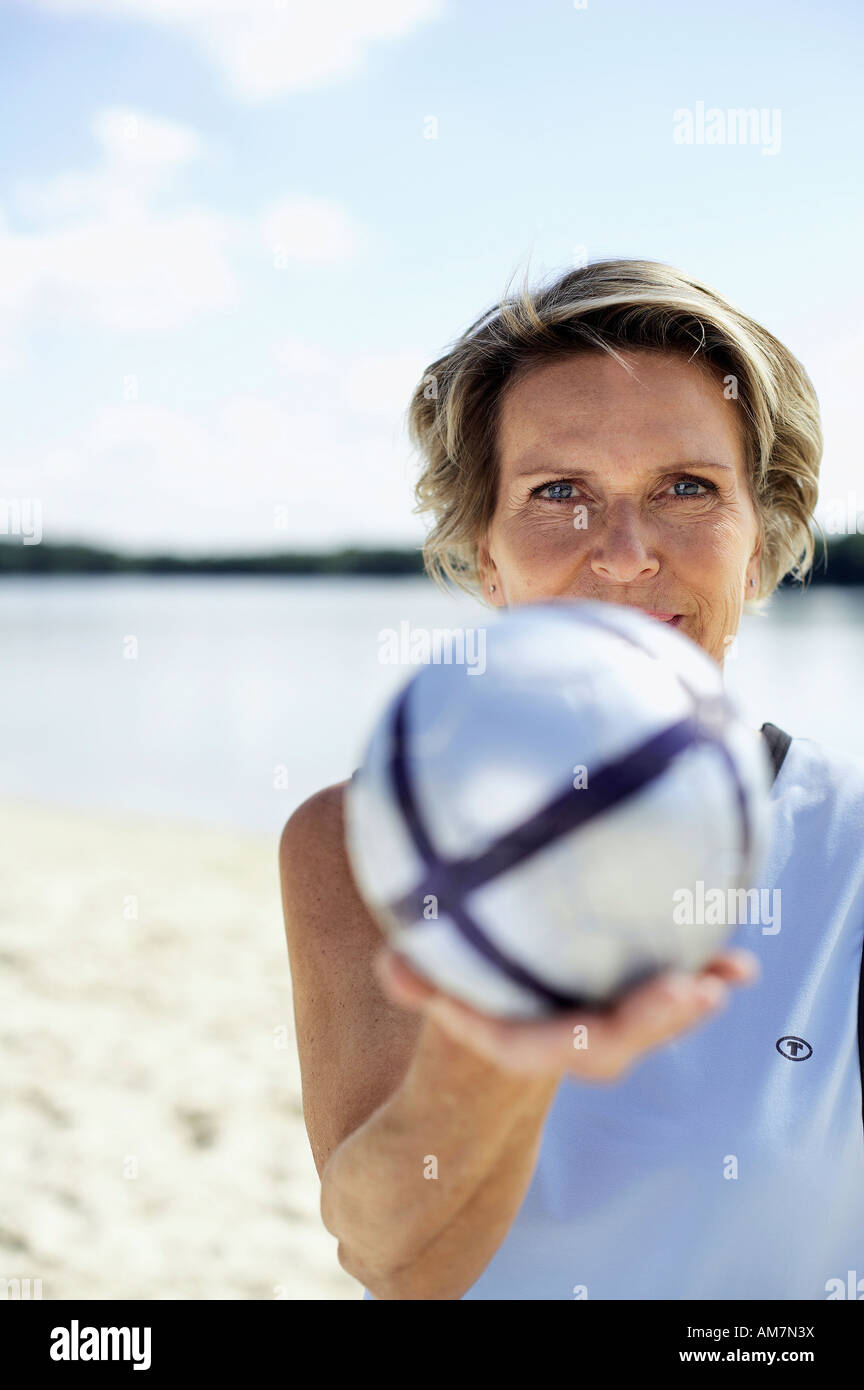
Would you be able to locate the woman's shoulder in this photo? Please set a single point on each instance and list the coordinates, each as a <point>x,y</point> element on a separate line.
<point>315,831</point>
<point>820,776</point>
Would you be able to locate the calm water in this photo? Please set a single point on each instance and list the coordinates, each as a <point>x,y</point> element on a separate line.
<point>248,694</point>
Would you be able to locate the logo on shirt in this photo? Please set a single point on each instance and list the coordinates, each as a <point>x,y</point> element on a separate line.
<point>794,1049</point>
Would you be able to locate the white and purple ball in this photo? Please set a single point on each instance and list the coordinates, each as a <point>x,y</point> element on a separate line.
<point>527,834</point>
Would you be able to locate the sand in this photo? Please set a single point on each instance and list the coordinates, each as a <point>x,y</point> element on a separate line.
<point>152,1142</point>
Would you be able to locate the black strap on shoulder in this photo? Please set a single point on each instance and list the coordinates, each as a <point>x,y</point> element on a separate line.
<point>861,1030</point>
<point>778,744</point>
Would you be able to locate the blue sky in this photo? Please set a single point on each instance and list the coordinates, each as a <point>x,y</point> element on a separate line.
<point>228,248</point>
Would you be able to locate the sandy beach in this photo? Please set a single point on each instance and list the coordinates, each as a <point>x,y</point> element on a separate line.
<point>151,1133</point>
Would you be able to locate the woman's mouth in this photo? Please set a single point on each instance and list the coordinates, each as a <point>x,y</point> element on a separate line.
<point>672,618</point>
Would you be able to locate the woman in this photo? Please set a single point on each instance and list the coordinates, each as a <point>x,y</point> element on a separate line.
<point>625,435</point>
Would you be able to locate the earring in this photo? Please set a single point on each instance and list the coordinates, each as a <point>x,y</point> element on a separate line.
<point>491,588</point>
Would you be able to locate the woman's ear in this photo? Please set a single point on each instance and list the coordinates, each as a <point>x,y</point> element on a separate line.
<point>754,572</point>
<point>489,578</point>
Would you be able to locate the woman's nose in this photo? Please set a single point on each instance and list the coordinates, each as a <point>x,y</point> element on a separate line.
<point>622,548</point>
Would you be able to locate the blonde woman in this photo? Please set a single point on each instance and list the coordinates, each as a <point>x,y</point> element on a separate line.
<point>710,1141</point>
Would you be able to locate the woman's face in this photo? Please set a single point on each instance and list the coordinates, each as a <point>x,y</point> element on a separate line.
<point>626,490</point>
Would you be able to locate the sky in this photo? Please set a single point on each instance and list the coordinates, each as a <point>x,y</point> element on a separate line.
<point>234,232</point>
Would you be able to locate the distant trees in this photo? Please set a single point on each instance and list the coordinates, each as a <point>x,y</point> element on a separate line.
<point>841,563</point>
<point>48,558</point>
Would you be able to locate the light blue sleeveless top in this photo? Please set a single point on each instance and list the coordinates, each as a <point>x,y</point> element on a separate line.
<point>728,1164</point>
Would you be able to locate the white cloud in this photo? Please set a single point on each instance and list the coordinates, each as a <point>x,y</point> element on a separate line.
<point>129,274</point>
<point>140,157</point>
<point>102,244</point>
<point>112,242</point>
<point>322,462</point>
<point>382,384</point>
<point>832,353</point>
<point>308,229</point>
<point>120,243</point>
<point>372,385</point>
<point>266,47</point>
<point>149,477</point>
<point>143,141</point>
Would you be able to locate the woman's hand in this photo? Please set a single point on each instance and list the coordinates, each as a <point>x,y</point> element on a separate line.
<point>595,1045</point>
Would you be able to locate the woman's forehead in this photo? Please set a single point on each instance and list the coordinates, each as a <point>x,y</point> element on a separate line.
<point>591,403</point>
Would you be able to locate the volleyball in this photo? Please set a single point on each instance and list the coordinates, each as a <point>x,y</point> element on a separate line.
<point>541,830</point>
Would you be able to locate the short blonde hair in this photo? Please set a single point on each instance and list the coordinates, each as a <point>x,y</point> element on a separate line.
<point>603,307</point>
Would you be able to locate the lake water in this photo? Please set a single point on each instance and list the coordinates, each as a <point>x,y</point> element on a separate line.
<point>248,694</point>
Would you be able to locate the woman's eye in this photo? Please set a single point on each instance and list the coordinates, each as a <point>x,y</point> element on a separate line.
<point>684,488</point>
<point>554,492</point>
<point>691,484</point>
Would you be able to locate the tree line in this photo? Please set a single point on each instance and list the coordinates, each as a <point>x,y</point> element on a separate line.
<point>839,561</point>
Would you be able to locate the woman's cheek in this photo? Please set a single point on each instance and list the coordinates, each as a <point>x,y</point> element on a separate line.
<point>554,532</point>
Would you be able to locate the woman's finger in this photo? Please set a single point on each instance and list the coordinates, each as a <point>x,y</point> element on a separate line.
<point>736,965</point>
<point>399,981</point>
